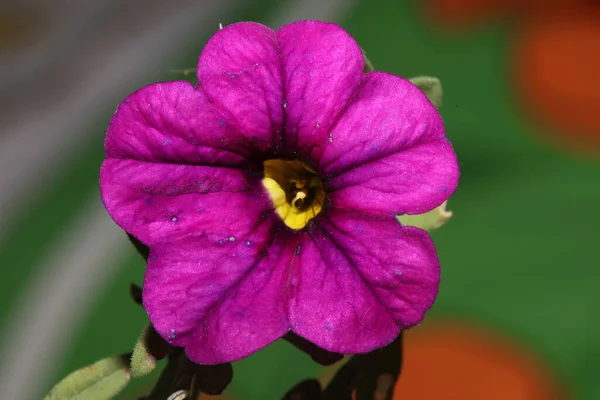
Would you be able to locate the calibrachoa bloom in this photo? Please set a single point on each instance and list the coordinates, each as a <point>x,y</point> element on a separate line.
<point>268,193</point>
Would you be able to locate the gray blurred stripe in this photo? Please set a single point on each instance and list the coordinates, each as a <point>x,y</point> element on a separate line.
<point>56,301</point>
<point>61,22</point>
<point>45,124</point>
<point>324,10</point>
<point>32,150</point>
<point>83,260</point>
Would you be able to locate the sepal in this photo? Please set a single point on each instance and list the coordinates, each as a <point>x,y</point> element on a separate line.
<point>149,348</point>
<point>431,86</point>
<point>429,221</point>
<point>100,381</point>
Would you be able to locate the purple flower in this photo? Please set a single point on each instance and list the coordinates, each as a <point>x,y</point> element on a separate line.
<point>267,194</point>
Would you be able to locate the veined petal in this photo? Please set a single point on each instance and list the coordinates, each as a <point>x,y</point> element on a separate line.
<point>240,71</point>
<point>322,65</point>
<point>166,202</point>
<point>388,153</point>
<point>220,300</point>
<point>413,181</point>
<point>175,123</point>
<point>360,280</point>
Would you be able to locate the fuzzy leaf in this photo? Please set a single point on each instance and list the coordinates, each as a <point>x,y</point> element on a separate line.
<point>368,65</point>
<point>99,381</point>
<point>149,348</point>
<point>432,88</point>
<point>428,221</point>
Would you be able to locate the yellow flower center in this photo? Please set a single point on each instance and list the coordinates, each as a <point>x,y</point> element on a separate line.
<point>297,193</point>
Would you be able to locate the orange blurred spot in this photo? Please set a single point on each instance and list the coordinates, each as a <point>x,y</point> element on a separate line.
<point>458,362</point>
<point>557,66</point>
<point>537,7</point>
<point>466,13</point>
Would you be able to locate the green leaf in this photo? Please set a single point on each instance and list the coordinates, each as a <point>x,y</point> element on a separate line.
<point>428,221</point>
<point>432,87</point>
<point>149,348</point>
<point>368,65</point>
<point>100,381</point>
<point>142,361</point>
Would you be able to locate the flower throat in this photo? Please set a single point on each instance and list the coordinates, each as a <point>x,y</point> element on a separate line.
<point>296,191</point>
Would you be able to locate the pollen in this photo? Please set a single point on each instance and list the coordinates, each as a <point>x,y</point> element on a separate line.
<point>296,191</point>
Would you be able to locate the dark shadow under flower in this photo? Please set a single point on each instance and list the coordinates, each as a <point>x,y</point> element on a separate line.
<point>187,169</point>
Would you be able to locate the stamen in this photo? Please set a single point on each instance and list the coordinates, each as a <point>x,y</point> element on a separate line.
<point>296,191</point>
<point>298,202</point>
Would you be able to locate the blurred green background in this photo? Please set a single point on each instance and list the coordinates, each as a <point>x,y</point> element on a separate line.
<point>519,256</point>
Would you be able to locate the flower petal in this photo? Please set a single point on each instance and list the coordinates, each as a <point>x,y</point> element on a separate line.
<point>175,123</point>
<point>166,202</point>
<point>360,280</point>
<point>240,70</point>
<point>322,65</point>
<point>220,300</point>
<point>388,153</point>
